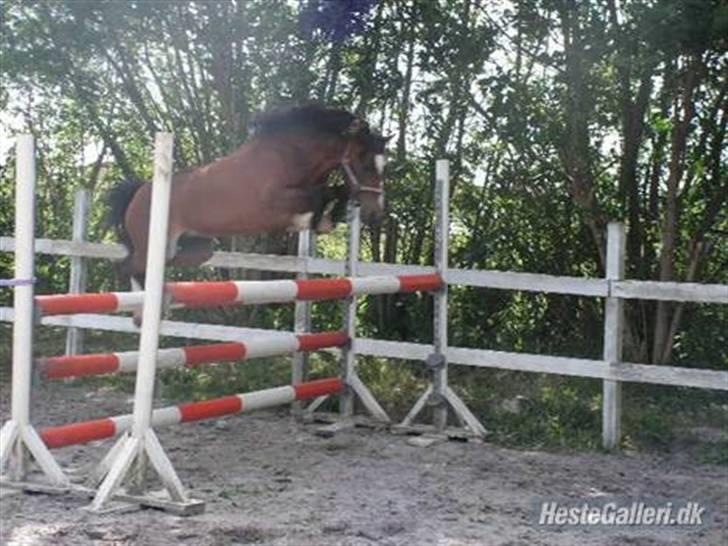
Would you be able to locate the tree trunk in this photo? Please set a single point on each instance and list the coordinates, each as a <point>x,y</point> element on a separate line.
<point>575,150</point>
<point>684,110</point>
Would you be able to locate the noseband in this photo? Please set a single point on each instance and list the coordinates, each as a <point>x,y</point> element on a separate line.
<point>355,188</point>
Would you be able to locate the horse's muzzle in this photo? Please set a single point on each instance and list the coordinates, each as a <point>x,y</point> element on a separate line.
<point>372,217</point>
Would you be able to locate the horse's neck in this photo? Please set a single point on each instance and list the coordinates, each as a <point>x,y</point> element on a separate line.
<point>313,159</point>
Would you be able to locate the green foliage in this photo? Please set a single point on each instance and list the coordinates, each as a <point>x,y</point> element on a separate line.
<point>716,453</point>
<point>558,415</point>
<point>211,381</point>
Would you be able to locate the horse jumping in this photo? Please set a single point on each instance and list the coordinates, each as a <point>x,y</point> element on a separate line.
<point>277,181</point>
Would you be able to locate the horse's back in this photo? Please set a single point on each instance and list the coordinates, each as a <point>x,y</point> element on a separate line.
<point>237,194</point>
<point>230,196</point>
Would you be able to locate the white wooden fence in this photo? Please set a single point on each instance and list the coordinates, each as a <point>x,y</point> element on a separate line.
<point>614,288</point>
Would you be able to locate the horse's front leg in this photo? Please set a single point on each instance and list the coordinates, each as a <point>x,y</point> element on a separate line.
<point>332,209</point>
<point>296,207</point>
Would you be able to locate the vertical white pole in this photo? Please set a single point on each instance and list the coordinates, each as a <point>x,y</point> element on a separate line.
<point>77,281</point>
<point>613,334</point>
<point>439,394</point>
<point>17,436</point>
<point>302,315</point>
<point>154,284</point>
<point>24,268</point>
<point>348,357</point>
<point>442,232</point>
<point>143,445</point>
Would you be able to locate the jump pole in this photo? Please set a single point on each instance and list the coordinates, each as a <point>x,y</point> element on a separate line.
<point>18,436</point>
<point>62,367</point>
<point>100,429</point>
<point>216,293</point>
<point>142,442</point>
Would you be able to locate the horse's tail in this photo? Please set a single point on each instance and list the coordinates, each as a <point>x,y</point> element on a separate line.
<point>117,200</point>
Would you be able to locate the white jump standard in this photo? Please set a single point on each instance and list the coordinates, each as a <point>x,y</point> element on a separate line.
<point>141,444</point>
<point>439,395</point>
<point>18,438</point>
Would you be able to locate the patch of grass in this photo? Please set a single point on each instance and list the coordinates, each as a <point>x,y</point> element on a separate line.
<point>557,413</point>
<point>395,383</point>
<point>714,453</point>
<point>651,428</point>
<point>662,419</point>
<point>188,384</point>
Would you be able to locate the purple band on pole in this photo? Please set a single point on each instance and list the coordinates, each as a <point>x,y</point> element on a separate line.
<point>16,282</point>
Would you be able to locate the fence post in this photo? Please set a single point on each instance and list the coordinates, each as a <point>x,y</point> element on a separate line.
<point>302,314</point>
<point>439,329</point>
<point>613,334</point>
<point>77,280</point>
<point>348,356</point>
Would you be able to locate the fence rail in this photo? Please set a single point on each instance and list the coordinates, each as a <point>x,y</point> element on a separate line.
<point>501,280</point>
<point>480,358</point>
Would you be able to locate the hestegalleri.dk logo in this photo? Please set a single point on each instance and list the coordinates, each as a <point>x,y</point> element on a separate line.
<point>619,512</point>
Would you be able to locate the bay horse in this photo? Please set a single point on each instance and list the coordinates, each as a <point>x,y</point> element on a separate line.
<point>277,181</point>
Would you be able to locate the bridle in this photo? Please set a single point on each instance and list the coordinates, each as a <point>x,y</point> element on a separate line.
<point>355,187</point>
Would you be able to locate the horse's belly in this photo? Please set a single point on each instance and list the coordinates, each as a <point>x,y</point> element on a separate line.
<point>249,225</point>
<point>214,214</point>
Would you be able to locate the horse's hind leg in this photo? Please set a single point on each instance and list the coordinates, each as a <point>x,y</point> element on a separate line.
<point>137,282</point>
<point>139,276</point>
<point>181,251</point>
<point>192,251</point>
<point>123,269</point>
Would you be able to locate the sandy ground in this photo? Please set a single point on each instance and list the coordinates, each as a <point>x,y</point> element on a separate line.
<point>269,480</point>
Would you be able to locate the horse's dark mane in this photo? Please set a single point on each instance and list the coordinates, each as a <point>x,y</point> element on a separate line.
<point>310,118</point>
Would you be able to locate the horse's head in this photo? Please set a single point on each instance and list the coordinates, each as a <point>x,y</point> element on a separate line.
<point>363,162</point>
<point>347,141</point>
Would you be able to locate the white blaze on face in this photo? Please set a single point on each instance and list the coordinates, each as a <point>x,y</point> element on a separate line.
<point>379,162</point>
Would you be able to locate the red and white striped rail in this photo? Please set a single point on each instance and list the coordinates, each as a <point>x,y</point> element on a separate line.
<point>88,431</point>
<point>61,367</point>
<point>210,294</point>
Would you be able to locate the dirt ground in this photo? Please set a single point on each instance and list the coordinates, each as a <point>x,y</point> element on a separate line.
<point>269,480</point>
